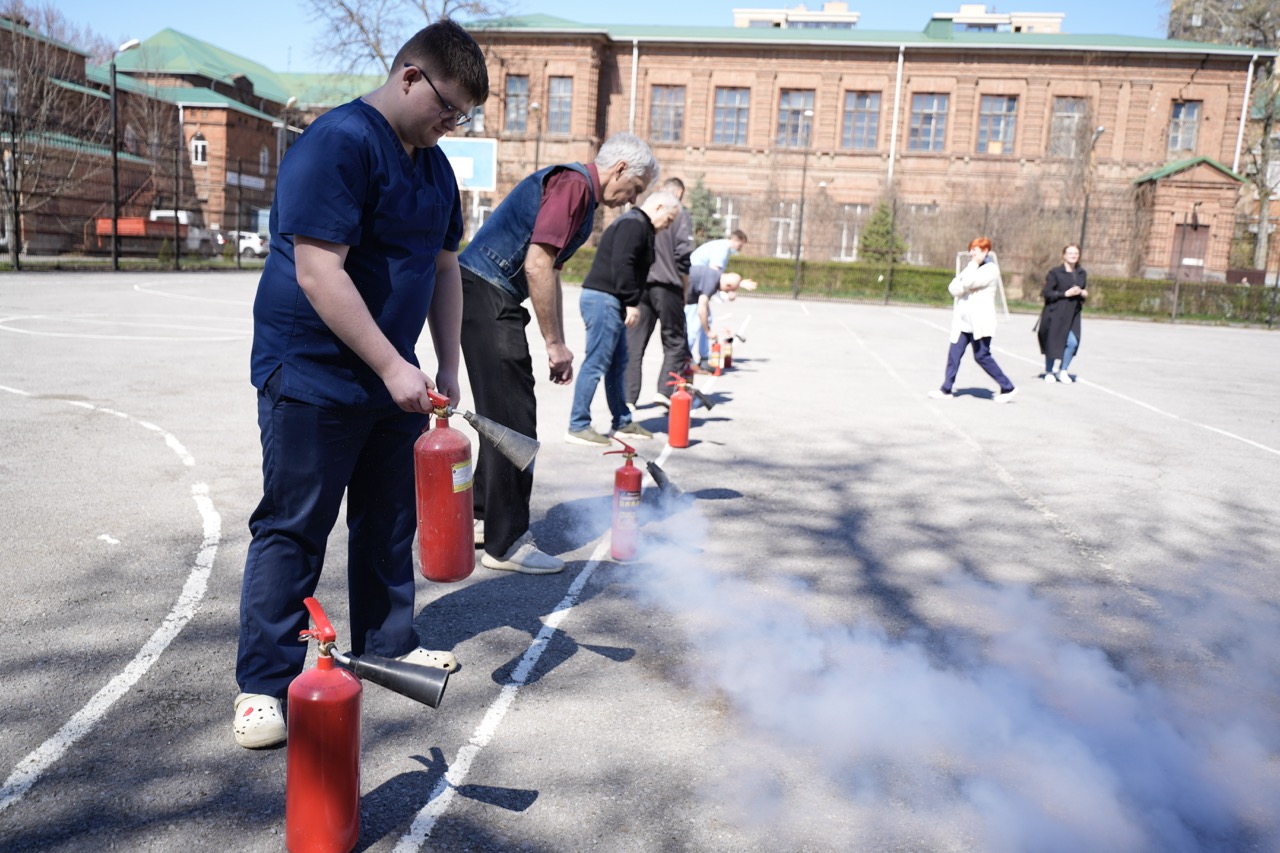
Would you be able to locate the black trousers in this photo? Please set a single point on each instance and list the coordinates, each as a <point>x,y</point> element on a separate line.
<point>661,304</point>
<point>501,373</point>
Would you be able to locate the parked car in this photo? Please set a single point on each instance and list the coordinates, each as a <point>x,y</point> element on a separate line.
<point>251,244</point>
<point>197,239</point>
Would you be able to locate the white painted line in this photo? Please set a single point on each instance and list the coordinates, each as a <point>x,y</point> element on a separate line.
<point>151,290</point>
<point>447,787</point>
<point>131,321</point>
<point>28,770</point>
<point>1125,397</point>
<point>1003,475</point>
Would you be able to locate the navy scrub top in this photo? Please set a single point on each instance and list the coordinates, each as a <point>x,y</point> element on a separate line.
<point>348,180</point>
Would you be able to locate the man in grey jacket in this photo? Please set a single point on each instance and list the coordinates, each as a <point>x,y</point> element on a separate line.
<point>662,302</point>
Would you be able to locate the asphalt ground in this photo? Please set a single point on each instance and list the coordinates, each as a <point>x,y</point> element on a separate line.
<point>875,622</point>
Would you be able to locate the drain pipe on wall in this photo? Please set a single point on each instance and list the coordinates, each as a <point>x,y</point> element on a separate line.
<point>897,102</point>
<point>1244,115</point>
<point>635,70</point>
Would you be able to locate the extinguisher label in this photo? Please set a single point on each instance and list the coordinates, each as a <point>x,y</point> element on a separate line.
<point>628,510</point>
<point>462,476</point>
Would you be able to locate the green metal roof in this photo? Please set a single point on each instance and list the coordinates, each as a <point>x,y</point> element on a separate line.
<point>1182,165</point>
<point>859,38</point>
<point>329,90</point>
<point>175,53</point>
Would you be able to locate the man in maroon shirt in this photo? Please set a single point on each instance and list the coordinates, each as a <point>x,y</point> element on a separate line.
<point>518,255</point>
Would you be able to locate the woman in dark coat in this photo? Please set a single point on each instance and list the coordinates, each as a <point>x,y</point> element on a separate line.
<point>1064,295</point>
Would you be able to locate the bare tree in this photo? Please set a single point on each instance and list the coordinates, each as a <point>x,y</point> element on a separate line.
<point>362,36</point>
<point>53,133</point>
<point>1253,23</point>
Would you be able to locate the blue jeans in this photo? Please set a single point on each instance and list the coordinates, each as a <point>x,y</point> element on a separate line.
<point>606,357</point>
<point>1068,353</point>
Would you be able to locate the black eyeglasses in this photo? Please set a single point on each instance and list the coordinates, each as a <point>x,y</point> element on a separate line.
<point>450,112</point>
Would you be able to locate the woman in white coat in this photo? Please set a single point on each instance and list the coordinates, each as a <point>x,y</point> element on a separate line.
<point>973,319</point>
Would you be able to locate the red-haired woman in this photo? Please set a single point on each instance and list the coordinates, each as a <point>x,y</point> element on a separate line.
<point>973,319</point>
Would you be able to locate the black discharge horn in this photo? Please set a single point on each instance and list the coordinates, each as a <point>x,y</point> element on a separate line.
<point>423,684</point>
<point>519,448</point>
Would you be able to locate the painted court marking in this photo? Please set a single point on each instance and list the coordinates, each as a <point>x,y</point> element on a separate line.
<point>446,789</point>
<point>1179,418</point>
<point>29,769</point>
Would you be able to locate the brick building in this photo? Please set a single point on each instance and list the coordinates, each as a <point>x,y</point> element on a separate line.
<point>1029,137</point>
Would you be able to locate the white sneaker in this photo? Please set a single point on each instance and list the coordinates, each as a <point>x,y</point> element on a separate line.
<point>259,721</point>
<point>524,557</point>
<point>479,531</point>
<point>1006,396</point>
<point>1050,378</point>
<point>426,657</point>
<point>1066,378</point>
<point>939,394</point>
<point>662,399</point>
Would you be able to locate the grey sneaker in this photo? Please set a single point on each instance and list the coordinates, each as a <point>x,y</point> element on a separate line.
<point>587,436</point>
<point>524,557</point>
<point>633,430</point>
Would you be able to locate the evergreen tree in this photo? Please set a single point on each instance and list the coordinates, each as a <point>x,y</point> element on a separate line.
<point>702,209</point>
<point>878,237</point>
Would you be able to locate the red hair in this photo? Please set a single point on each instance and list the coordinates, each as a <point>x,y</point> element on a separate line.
<point>983,243</point>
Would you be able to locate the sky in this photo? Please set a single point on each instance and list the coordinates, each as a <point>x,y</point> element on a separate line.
<point>280,34</point>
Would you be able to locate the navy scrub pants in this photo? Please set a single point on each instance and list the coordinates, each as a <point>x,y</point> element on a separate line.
<point>310,457</point>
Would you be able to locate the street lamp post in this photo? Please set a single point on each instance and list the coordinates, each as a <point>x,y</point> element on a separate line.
<point>1088,185</point>
<point>115,158</point>
<point>804,175</point>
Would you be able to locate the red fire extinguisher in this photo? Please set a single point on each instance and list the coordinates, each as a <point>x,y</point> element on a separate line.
<point>322,785</point>
<point>678,413</point>
<point>626,504</point>
<point>446,517</point>
<point>715,358</point>
<point>726,349</point>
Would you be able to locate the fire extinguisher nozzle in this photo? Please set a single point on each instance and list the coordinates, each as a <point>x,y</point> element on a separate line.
<point>423,684</point>
<point>518,448</point>
<point>702,398</point>
<point>667,488</point>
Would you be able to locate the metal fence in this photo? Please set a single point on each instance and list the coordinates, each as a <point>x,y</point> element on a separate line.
<point>64,196</point>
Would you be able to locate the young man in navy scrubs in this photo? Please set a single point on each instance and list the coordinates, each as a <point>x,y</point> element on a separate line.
<point>365,230</point>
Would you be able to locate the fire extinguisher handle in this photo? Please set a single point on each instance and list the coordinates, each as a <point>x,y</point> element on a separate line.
<point>627,450</point>
<point>678,379</point>
<point>439,401</point>
<point>323,632</point>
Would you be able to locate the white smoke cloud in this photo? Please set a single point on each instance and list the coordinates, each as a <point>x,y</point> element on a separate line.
<point>1015,741</point>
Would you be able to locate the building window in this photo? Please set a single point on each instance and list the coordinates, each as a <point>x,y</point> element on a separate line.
<point>861,120</point>
<point>666,114</point>
<point>517,103</point>
<point>1068,125</point>
<point>1183,125</point>
<point>560,105</point>
<point>794,127</point>
<point>199,150</point>
<point>264,160</point>
<point>731,116</point>
<point>928,123</point>
<point>997,115</point>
